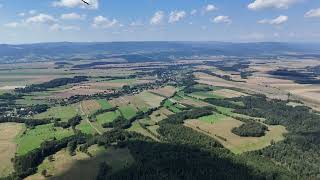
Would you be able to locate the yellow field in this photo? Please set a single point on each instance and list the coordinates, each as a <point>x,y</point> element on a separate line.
<point>90,106</point>
<point>221,131</point>
<point>165,91</point>
<point>228,93</point>
<point>8,147</point>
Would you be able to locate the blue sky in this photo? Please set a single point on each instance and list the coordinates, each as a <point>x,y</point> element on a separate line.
<point>29,21</point>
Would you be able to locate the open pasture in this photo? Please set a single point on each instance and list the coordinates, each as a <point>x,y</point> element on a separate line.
<point>221,131</point>
<point>107,117</point>
<point>8,146</point>
<point>62,112</point>
<point>32,138</point>
<point>128,111</point>
<point>81,166</point>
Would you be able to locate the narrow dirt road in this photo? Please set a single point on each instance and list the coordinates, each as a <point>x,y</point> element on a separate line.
<point>87,119</point>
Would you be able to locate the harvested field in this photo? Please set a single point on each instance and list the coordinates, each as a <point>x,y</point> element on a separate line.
<point>160,114</point>
<point>228,93</point>
<point>150,99</point>
<point>8,147</point>
<point>221,131</point>
<point>78,90</point>
<point>90,106</point>
<point>167,91</point>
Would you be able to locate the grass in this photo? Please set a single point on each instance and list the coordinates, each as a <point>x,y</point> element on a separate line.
<point>33,138</point>
<point>216,117</point>
<point>29,100</point>
<point>85,127</point>
<point>151,99</point>
<point>104,104</point>
<point>204,95</point>
<point>174,107</point>
<point>82,166</point>
<point>128,111</point>
<point>129,81</point>
<point>136,127</point>
<point>222,131</point>
<point>8,133</point>
<point>107,117</point>
<point>224,110</point>
<point>62,112</point>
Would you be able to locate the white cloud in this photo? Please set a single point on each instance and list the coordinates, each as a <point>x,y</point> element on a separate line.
<point>12,25</point>
<point>32,12</point>
<point>222,19</point>
<point>58,27</point>
<point>276,21</point>
<point>313,13</point>
<point>72,16</point>
<point>41,18</point>
<point>157,18</point>
<point>136,23</point>
<point>176,16</point>
<point>210,7</point>
<point>263,4</point>
<point>104,22</point>
<point>193,12</point>
<point>94,4</point>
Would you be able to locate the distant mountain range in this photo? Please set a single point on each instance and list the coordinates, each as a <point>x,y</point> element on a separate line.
<point>149,50</point>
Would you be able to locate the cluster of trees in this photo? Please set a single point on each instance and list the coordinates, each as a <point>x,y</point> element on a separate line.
<point>94,115</point>
<point>9,96</point>
<point>73,122</point>
<point>246,74</point>
<point>28,122</point>
<point>223,102</point>
<point>52,84</point>
<point>298,77</point>
<point>195,113</point>
<point>302,140</point>
<point>123,123</point>
<point>251,129</point>
<point>237,67</point>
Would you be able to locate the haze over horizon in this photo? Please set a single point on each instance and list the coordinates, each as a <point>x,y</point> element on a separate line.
<point>147,20</point>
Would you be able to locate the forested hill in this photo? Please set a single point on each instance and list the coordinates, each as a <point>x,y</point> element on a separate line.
<point>153,50</point>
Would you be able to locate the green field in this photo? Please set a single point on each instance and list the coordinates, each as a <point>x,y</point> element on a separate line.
<point>62,112</point>
<point>29,100</point>
<point>32,138</point>
<point>107,117</point>
<point>104,104</point>
<point>129,81</point>
<point>204,95</point>
<point>216,117</point>
<point>174,107</point>
<point>85,127</point>
<point>82,166</point>
<point>128,111</point>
